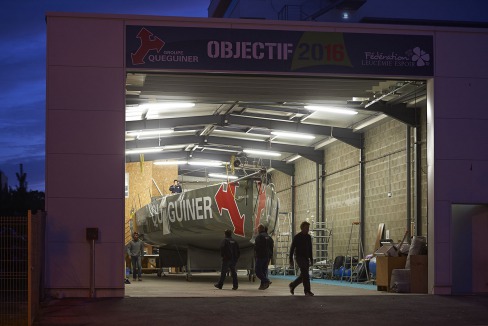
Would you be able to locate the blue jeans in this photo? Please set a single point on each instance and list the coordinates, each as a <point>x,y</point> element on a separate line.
<point>136,266</point>
<point>226,265</point>
<point>262,270</point>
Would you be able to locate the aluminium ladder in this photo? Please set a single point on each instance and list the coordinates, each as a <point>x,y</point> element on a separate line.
<point>322,243</point>
<point>353,256</point>
<point>283,243</point>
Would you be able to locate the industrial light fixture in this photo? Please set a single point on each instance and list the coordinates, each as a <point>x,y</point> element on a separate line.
<point>169,162</point>
<point>222,176</point>
<point>205,163</point>
<point>370,122</point>
<point>133,113</point>
<point>294,158</point>
<point>167,105</point>
<point>144,133</point>
<point>330,109</point>
<point>260,152</point>
<point>154,109</point>
<point>285,134</point>
<point>325,143</point>
<point>143,150</point>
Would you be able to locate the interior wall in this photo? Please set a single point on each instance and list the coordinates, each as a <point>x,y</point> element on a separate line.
<point>341,193</point>
<point>142,179</point>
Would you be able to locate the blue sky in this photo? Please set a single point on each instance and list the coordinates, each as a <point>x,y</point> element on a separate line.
<point>23,72</point>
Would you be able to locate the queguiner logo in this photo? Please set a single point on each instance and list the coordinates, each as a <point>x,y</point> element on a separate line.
<point>149,42</point>
<point>150,50</point>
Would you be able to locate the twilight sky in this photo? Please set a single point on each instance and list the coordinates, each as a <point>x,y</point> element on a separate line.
<point>23,72</point>
<point>23,60</point>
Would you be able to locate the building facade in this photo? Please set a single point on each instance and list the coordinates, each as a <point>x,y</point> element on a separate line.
<point>85,149</point>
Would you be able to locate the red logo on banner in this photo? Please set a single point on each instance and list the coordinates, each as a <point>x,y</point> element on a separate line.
<point>225,200</point>
<point>149,42</point>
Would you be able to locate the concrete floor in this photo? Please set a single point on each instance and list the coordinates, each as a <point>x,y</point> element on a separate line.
<point>172,300</point>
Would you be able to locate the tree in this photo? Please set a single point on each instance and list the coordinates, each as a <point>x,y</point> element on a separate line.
<point>17,202</point>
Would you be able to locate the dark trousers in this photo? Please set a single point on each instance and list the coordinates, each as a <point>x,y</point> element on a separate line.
<point>304,277</point>
<point>136,266</point>
<point>228,265</point>
<point>262,269</point>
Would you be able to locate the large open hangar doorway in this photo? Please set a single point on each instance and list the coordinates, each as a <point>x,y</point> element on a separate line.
<point>380,122</point>
<point>92,83</point>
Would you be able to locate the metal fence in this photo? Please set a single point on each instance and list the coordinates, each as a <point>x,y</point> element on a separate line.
<point>21,256</point>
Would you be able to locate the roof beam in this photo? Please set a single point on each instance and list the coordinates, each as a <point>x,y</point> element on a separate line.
<point>281,166</point>
<point>342,134</point>
<point>397,111</point>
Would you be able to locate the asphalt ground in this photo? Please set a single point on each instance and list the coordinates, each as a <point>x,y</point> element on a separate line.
<point>172,300</point>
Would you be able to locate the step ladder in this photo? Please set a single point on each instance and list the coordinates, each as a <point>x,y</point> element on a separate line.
<point>322,244</point>
<point>353,265</point>
<point>282,245</point>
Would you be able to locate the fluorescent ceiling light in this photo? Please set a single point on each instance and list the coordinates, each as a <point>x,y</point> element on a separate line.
<point>325,143</point>
<point>205,163</point>
<point>169,162</point>
<point>294,158</point>
<point>222,176</point>
<point>330,109</point>
<point>370,122</point>
<point>155,132</point>
<point>154,109</point>
<point>263,153</point>
<point>292,135</point>
<point>167,105</point>
<point>144,150</point>
<point>219,149</point>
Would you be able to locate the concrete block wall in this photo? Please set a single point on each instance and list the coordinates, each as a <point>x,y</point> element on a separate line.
<point>341,193</point>
<point>305,192</point>
<point>282,183</point>
<point>385,172</point>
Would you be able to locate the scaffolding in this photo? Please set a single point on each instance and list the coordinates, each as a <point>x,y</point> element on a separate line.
<point>322,244</point>
<point>282,244</point>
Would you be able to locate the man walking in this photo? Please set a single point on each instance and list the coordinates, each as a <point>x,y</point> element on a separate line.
<point>301,245</point>
<point>229,250</point>
<point>263,251</point>
<point>135,249</point>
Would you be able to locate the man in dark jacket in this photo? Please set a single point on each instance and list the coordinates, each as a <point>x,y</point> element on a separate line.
<point>263,251</point>
<point>229,250</point>
<point>135,250</point>
<point>301,245</point>
<point>175,188</point>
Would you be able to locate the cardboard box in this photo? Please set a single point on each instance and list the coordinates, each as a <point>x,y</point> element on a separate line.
<point>384,266</point>
<point>418,274</point>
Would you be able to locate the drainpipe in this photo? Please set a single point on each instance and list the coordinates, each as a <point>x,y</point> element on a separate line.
<point>292,205</point>
<point>417,186</point>
<point>409,184</point>
<point>317,193</point>
<point>361,193</point>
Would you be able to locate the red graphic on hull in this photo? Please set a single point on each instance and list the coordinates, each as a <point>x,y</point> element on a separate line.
<point>148,42</point>
<point>225,200</point>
